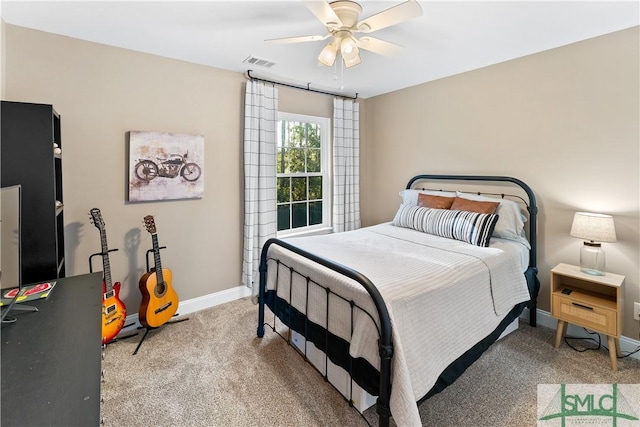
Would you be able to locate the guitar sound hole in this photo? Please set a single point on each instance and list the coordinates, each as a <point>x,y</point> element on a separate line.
<point>160,289</point>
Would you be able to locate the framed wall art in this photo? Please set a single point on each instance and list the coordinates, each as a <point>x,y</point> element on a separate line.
<point>165,166</point>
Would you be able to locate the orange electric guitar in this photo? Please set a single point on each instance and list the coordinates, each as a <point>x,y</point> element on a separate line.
<point>114,311</point>
<point>159,300</point>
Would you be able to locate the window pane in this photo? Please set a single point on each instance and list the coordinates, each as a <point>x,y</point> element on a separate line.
<point>313,135</point>
<point>281,133</point>
<point>284,190</point>
<point>313,160</point>
<point>299,215</point>
<point>285,156</point>
<point>298,189</point>
<point>296,134</point>
<point>315,187</point>
<point>296,160</point>
<point>315,213</point>
<point>286,126</point>
<point>281,160</point>
<point>283,217</point>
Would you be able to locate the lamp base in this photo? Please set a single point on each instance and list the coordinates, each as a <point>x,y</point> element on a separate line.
<point>592,259</point>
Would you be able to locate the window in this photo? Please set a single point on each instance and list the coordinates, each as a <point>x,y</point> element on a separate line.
<point>302,173</point>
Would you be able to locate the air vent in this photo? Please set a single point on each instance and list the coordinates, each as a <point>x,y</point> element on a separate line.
<point>259,62</point>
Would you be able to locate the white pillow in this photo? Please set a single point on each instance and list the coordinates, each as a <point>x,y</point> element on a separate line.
<point>471,227</point>
<point>410,197</point>
<point>510,225</point>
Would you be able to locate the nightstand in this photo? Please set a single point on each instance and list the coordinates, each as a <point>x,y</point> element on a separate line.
<point>594,302</point>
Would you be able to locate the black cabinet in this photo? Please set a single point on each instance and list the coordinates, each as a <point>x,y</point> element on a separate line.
<point>30,133</point>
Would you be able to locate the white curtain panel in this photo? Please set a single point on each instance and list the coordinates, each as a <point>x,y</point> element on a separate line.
<point>260,223</point>
<point>346,165</point>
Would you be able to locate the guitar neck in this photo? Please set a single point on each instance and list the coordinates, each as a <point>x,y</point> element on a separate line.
<point>156,258</point>
<point>105,261</point>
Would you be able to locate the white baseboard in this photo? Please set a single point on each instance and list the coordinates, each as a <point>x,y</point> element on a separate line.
<point>627,345</point>
<point>194,304</point>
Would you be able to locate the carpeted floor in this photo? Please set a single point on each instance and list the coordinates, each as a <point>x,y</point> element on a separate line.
<point>212,371</point>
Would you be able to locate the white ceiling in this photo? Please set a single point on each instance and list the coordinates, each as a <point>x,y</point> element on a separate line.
<point>451,37</point>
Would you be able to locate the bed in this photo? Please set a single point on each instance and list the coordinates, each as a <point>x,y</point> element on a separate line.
<point>405,307</point>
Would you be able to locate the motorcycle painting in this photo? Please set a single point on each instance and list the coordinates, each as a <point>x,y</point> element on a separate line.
<point>165,166</point>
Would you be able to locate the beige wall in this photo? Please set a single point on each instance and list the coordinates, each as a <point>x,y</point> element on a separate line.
<point>3,49</point>
<point>565,121</point>
<point>307,103</point>
<point>102,93</point>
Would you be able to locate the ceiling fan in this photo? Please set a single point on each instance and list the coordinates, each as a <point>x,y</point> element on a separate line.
<point>342,21</point>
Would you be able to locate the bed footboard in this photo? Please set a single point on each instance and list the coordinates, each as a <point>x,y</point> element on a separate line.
<point>385,344</point>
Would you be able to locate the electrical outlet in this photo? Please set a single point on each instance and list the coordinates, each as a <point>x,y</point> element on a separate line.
<point>636,310</point>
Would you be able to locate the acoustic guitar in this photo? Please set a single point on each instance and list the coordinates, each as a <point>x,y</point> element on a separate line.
<point>159,299</point>
<point>114,312</point>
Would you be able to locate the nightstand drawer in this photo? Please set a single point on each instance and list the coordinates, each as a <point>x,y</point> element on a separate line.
<point>585,314</point>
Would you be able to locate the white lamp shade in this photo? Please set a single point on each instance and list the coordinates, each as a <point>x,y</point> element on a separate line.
<point>347,45</point>
<point>350,62</point>
<point>594,227</point>
<point>328,55</point>
<point>351,56</point>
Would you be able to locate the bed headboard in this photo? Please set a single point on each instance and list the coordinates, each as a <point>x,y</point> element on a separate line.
<point>531,204</point>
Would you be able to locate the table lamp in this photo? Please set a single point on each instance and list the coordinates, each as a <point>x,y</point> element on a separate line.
<point>593,228</point>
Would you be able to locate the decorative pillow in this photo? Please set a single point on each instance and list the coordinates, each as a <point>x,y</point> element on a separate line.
<point>436,202</point>
<point>474,205</point>
<point>410,197</point>
<point>471,227</point>
<point>510,226</point>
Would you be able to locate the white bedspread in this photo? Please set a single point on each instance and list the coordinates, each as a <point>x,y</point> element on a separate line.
<point>443,297</point>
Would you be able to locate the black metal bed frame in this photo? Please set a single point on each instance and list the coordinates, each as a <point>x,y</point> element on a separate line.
<point>385,345</point>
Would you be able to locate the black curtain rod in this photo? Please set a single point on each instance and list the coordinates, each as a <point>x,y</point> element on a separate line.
<point>307,88</point>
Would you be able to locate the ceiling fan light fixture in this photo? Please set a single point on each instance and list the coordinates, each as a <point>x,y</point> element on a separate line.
<point>342,21</point>
<point>351,61</point>
<point>328,55</point>
<point>353,53</point>
<point>347,45</point>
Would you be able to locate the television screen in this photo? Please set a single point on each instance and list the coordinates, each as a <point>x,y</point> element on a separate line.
<point>10,266</point>
<point>10,251</point>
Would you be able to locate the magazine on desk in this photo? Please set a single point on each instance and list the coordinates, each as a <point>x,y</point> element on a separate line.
<point>27,293</point>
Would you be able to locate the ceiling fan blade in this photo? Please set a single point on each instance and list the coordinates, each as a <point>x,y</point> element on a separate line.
<point>378,46</point>
<point>323,11</point>
<point>394,15</point>
<point>298,39</point>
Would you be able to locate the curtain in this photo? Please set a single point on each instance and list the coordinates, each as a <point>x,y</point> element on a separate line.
<point>260,121</point>
<point>346,165</point>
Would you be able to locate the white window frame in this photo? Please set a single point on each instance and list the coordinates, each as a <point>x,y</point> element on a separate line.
<point>325,169</point>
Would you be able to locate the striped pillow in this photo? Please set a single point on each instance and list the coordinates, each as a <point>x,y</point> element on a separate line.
<point>471,227</point>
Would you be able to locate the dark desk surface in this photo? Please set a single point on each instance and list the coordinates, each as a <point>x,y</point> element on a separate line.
<point>51,359</point>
